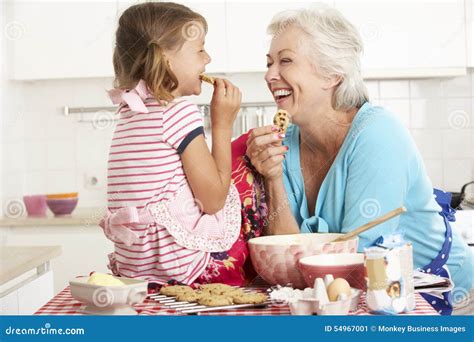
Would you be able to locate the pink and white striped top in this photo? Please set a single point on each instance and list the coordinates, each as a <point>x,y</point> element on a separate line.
<point>144,161</point>
<point>145,168</point>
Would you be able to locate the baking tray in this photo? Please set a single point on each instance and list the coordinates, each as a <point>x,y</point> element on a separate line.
<point>195,308</point>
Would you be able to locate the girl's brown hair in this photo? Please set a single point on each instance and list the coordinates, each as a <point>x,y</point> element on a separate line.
<point>144,32</point>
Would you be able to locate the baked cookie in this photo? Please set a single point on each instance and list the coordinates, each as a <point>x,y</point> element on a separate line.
<point>215,300</point>
<point>235,293</point>
<point>206,78</point>
<point>174,290</point>
<point>188,296</point>
<point>282,120</point>
<point>216,289</point>
<point>250,298</point>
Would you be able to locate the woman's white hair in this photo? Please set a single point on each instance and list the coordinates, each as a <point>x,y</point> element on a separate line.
<point>335,48</point>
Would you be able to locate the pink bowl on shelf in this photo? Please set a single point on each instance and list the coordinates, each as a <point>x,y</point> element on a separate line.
<point>35,205</point>
<point>349,266</point>
<point>275,257</point>
<point>62,207</point>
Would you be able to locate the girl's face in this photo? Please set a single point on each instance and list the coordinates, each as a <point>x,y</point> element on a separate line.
<point>292,78</point>
<point>188,62</point>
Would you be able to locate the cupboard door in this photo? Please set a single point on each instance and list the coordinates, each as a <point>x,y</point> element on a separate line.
<point>247,40</point>
<point>409,35</point>
<point>214,13</point>
<point>61,39</point>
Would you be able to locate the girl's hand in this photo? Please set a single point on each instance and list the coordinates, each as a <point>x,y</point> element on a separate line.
<point>266,152</point>
<point>225,104</point>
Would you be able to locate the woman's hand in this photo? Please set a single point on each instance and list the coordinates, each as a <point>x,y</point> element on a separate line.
<point>225,104</point>
<point>266,152</point>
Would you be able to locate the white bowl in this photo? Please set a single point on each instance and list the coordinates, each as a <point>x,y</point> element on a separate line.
<point>109,300</point>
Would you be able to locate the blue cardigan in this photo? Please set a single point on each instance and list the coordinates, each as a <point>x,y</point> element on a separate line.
<point>378,168</point>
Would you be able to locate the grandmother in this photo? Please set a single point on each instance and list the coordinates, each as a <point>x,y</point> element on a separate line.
<point>344,161</point>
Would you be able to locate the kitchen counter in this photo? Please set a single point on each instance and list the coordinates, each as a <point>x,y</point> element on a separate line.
<point>26,278</point>
<point>80,217</point>
<point>16,261</point>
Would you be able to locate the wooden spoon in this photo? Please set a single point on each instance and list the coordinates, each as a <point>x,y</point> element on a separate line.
<point>371,224</point>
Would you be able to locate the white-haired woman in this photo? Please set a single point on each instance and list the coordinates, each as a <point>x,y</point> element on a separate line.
<point>343,161</point>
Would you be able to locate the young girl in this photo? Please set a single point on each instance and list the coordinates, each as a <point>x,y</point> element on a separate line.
<point>171,202</point>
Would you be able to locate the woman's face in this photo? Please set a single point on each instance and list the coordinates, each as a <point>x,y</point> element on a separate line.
<point>292,78</point>
<point>188,62</point>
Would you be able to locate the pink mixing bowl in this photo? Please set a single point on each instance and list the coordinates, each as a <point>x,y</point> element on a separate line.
<point>349,266</point>
<point>35,205</point>
<point>275,257</point>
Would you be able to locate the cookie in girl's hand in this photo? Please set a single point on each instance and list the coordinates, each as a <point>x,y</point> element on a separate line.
<point>206,78</point>
<point>282,120</point>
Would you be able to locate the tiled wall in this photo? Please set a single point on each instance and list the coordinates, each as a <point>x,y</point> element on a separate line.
<point>45,151</point>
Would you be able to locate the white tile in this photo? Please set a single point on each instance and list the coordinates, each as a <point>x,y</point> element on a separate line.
<point>429,142</point>
<point>472,69</point>
<point>35,183</point>
<point>13,185</point>
<point>373,88</point>
<point>13,126</point>
<point>377,102</point>
<point>90,155</point>
<point>427,113</point>
<point>457,86</point>
<point>456,143</point>
<point>92,198</point>
<point>457,172</point>
<point>61,181</point>
<point>394,89</point>
<point>14,156</point>
<point>59,126</point>
<point>36,155</point>
<point>61,154</point>
<point>253,87</point>
<point>35,125</point>
<point>429,88</point>
<point>459,113</point>
<point>434,169</point>
<point>400,107</point>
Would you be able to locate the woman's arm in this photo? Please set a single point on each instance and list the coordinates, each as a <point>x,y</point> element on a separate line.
<point>280,217</point>
<point>265,150</point>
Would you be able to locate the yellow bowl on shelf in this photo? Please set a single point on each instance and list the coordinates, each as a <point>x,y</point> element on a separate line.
<point>62,195</point>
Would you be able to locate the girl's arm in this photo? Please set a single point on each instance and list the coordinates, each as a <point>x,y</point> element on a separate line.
<point>209,173</point>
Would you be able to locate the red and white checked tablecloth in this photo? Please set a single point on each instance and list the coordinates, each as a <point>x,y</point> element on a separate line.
<point>64,304</point>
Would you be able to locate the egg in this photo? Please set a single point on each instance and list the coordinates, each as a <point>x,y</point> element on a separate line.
<point>103,279</point>
<point>336,287</point>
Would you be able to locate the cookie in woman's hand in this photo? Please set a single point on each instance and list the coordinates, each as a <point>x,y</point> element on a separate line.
<point>282,120</point>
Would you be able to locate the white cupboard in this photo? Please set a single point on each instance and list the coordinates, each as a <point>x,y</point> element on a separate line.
<point>30,297</point>
<point>247,41</point>
<point>73,39</point>
<point>411,38</point>
<point>61,39</point>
